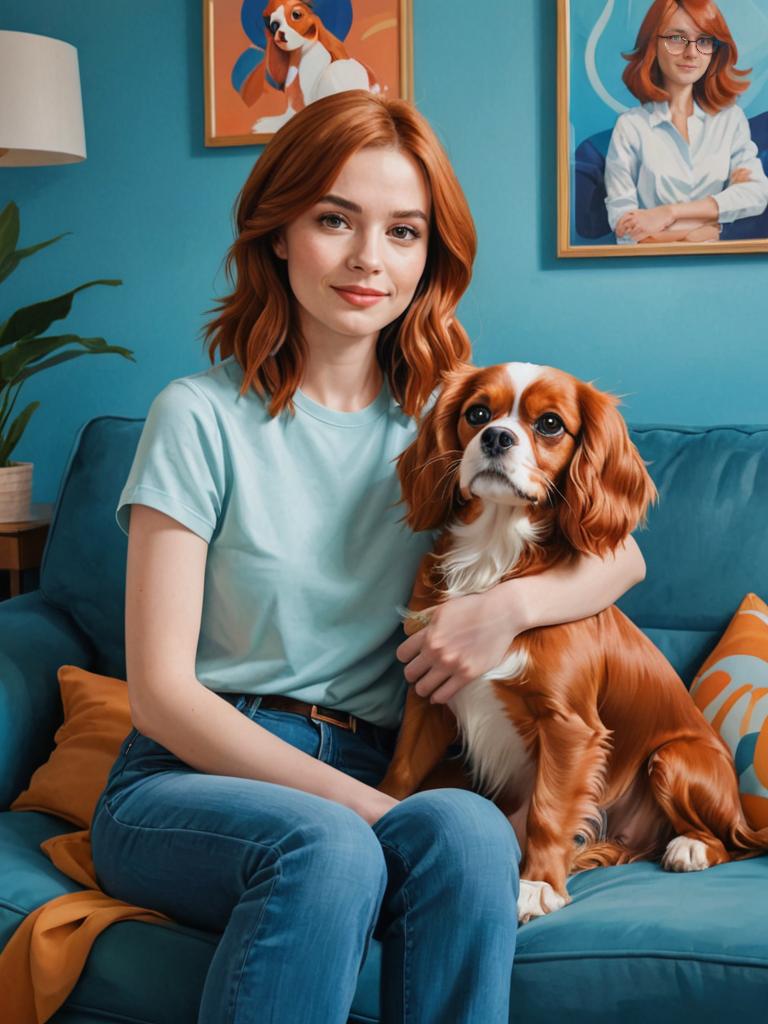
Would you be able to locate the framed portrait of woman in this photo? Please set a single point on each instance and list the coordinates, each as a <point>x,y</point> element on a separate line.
<point>662,127</point>
<point>264,60</point>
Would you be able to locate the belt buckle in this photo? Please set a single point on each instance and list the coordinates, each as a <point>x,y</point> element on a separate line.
<point>351,722</point>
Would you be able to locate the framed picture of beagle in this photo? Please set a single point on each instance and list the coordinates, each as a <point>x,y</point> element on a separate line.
<point>662,138</point>
<point>264,60</point>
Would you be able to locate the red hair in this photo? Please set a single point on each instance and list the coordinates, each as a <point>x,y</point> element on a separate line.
<point>258,322</point>
<point>722,81</point>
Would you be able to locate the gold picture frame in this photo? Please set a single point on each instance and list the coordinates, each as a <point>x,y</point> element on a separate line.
<point>570,243</point>
<point>381,35</point>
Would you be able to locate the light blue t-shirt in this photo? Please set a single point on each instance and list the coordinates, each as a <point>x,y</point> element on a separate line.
<point>307,561</point>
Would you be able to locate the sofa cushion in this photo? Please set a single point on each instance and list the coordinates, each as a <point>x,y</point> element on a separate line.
<point>639,944</point>
<point>83,567</point>
<point>713,489</point>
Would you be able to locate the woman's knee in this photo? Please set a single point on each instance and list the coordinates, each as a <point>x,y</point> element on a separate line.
<point>340,848</point>
<point>469,825</point>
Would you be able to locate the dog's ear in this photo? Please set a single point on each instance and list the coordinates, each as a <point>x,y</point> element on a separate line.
<point>254,85</point>
<point>429,467</point>
<point>277,62</point>
<point>333,45</point>
<point>606,488</point>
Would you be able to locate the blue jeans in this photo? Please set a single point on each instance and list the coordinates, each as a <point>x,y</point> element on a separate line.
<point>298,884</point>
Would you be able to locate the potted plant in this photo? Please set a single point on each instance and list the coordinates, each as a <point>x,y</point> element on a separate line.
<point>23,353</point>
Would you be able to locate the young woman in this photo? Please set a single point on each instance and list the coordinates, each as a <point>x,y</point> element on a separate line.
<point>266,559</point>
<point>683,163</point>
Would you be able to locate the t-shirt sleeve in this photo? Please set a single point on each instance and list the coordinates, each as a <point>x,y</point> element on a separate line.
<point>179,463</point>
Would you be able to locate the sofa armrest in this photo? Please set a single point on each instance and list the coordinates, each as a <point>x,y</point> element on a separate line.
<point>35,639</point>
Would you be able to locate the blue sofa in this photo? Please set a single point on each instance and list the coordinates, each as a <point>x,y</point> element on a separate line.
<point>635,945</point>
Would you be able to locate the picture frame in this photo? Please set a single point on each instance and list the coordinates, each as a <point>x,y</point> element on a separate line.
<point>591,37</point>
<point>253,81</point>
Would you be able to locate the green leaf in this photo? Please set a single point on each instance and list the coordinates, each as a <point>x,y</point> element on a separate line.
<point>30,321</point>
<point>16,429</point>
<point>22,360</point>
<point>66,356</point>
<point>9,264</point>
<point>9,231</point>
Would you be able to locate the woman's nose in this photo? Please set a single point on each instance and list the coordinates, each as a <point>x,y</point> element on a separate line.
<point>365,253</point>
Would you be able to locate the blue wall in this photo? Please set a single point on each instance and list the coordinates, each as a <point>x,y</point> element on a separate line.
<point>682,338</point>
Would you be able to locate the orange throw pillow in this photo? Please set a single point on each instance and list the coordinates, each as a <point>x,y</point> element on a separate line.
<point>731,689</point>
<point>97,719</point>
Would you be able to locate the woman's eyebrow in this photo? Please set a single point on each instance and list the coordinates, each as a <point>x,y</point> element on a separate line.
<point>354,208</point>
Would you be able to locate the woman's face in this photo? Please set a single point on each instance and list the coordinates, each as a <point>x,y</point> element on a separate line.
<point>689,66</point>
<point>355,257</point>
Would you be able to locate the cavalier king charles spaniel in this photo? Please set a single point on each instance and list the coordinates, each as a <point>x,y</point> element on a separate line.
<point>584,735</point>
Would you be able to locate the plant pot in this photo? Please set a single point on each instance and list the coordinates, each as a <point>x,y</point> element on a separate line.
<point>15,492</point>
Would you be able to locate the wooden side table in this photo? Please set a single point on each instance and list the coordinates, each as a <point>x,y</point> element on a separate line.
<point>21,544</point>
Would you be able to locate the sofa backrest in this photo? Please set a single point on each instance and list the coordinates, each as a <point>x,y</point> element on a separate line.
<point>706,544</point>
<point>83,566</point>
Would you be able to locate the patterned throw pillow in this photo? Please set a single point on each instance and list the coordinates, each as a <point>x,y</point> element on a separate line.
<point>731,689</point>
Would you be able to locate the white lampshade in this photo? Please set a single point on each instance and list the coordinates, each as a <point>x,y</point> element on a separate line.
<point>41,110</point>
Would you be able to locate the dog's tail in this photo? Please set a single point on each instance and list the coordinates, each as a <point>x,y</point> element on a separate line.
<point>608,853</point>
<point>745,841</point>
<point>599,855</point>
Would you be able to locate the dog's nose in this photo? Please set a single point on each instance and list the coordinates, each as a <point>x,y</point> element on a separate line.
<point>274,26</point>
<point>496,440</point>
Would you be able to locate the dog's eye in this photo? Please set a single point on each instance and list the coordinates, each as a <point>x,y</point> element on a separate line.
<point>477,415</point>
<point>296,14</point>
<point>549,424</point>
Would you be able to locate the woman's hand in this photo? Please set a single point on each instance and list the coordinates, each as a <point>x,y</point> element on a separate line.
<point>466,637</point>
<point>376,806</point>
<point>740,175</point>
<point>638,224</point>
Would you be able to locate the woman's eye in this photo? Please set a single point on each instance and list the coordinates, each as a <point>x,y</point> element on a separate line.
<point>333,220</point>
<point>549,425</point>
<point>476,415</point>
<point>404,233</point>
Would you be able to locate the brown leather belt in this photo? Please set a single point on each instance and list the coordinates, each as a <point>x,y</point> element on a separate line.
<point>300,707</point>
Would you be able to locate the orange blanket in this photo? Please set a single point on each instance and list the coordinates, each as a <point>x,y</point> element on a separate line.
<point>45,956</point>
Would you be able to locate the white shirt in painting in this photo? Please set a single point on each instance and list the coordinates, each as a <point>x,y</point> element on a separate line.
<point>650,164</point>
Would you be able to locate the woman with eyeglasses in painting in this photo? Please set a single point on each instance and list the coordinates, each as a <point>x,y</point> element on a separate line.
<point>684,163</point>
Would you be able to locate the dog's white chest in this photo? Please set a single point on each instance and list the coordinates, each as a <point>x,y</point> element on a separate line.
<point>314,60</point>
<point>492,745</point>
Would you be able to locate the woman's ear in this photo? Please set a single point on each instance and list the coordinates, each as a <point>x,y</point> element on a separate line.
<point>607,489</point>
<point>278,244</point>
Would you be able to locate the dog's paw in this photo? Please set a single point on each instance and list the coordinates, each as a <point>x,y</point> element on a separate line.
<point>684,854</point>
<point>267,125</point>
<point>536,899</point>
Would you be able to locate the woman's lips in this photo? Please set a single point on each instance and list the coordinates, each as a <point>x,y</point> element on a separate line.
<point>360,296</point>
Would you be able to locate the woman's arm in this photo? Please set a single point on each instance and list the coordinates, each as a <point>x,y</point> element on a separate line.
<point>468,636</point>
<point>745,195</point>
<point>642,224</point>
<point>163,607</point>
<point>622,166</point>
